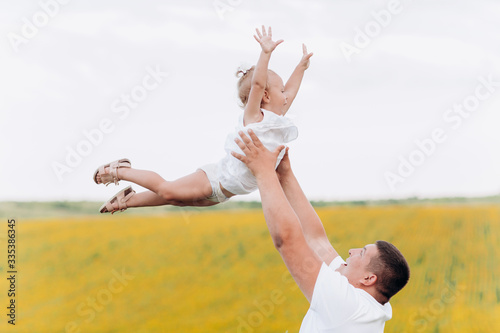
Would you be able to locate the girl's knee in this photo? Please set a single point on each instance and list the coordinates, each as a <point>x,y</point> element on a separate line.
<point>165,191</point>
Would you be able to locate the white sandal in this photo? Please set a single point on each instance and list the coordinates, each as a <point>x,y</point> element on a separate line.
<point>121,198</point>
<point>111,176</point>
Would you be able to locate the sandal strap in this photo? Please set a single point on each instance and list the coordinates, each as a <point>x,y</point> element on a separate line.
<point>119,198</point>
<point>122,205</point>
<point>109,207</point>
<point>129,195</point>
<point>112,175</point>
<point>113,166</point>
<point>106,178</point>
<point>122,202</point>
<point>101,170</point>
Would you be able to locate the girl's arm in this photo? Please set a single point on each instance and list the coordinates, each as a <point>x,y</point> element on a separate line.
<point>252,113</point>
<point>293,84</point>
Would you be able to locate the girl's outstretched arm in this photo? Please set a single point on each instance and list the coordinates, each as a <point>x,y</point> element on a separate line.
<point>293,84</point>
<point>252,112</point>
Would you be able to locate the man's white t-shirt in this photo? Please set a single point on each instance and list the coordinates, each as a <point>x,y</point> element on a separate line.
<point>337,306</point>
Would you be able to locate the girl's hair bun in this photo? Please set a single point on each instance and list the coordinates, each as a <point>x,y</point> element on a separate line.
<point>243,71</point>
<point>244,75</point>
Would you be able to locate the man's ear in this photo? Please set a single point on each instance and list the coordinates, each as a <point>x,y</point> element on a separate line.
<point>369,280</point>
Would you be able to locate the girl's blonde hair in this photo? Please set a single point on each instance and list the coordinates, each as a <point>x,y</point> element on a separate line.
<point>245,82</point>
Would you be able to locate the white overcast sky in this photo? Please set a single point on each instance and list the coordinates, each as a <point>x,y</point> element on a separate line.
<point>355,118</point>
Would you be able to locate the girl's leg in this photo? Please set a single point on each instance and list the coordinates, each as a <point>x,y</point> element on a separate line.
<point>150,199</point>
<point>191,188</point>
<point>146,199</point>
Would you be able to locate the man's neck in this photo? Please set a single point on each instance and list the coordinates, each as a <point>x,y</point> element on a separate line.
<point>381,299</point>
<point>376,295</point>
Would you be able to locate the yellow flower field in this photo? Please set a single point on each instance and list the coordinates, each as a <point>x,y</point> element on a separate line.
<point>218,271</point>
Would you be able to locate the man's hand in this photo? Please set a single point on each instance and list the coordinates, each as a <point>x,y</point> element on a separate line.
<point>304,62</point>
<point>257,157</point>
<point>266,40</point>
<point>284,168</point>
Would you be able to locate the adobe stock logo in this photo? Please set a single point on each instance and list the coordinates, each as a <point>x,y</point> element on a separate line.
<point>221,7</point>
<point>454,118</point>
<point>121,109</point>
<point>424,317</point>
<point>371,30</point>
<point>40,19</point>
<point>98,301</point>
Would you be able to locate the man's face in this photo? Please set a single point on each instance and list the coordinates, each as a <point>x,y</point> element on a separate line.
<point>356,267</point>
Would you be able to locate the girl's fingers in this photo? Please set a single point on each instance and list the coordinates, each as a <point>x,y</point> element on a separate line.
<point>279,42</point>
<point>257,39</point>
<point>264,31</point>
<point>304,49</point>
<point>270,32</point>
<point>258,33</point>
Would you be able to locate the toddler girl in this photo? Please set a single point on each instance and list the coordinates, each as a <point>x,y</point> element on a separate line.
<point>265,100</point>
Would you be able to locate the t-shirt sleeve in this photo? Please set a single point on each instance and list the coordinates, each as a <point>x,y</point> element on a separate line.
<point>334,298</point>
<point>336,262</point>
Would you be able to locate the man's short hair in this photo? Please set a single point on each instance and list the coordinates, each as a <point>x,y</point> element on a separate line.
<point>391,269</point>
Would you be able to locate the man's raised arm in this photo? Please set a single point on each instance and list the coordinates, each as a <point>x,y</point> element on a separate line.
<point>312,226</point>
<point>282,222</point>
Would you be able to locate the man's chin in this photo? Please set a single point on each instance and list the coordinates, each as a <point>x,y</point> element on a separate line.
<point>341,269</point>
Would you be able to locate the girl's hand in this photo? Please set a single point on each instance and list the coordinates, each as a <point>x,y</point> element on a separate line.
<point>266,40</point>
<point>305,57</point>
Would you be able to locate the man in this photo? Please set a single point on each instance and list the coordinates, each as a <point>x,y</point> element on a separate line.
<point>350,296</point>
